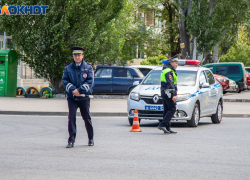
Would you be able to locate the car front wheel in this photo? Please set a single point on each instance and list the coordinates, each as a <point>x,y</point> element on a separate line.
<point>193,122</point>
<point>216,118</point>
<point>238,89</point>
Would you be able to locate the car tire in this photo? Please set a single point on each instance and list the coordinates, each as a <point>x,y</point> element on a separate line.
<point>194,121</point>
<point>216,118</point>
<point>238,89</point>
<point>130,120</point>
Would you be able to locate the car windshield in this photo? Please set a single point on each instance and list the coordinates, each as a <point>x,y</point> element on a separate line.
<point>139,72</point>
<point>184,78</point>
<point>144,71</point>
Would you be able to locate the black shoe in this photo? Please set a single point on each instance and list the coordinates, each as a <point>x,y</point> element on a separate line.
<point>91,142</point>
<point>163,129</point>
<point>172,132</point>
<point>70,145</point>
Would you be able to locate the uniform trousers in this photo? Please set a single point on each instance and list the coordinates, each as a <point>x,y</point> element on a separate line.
<point>84,106</point>
<point>169,109</point>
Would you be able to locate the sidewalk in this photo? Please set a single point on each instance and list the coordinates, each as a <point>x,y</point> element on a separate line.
<point>235,105</point>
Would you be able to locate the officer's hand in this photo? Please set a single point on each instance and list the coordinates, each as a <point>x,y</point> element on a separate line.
<point>174,98</point>
<point>76,92</point>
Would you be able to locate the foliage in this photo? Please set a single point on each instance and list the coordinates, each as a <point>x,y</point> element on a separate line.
<point>239,52</point>
<point>154,60</point>
<point>45,40</point>
<point>210,20</point>
<point>45,92</point>
<point>170,16</point>
<point>163,37</point>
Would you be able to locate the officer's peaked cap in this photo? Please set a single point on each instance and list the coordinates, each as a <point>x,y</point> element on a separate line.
<point>174,58</point>
<point>77,49</point>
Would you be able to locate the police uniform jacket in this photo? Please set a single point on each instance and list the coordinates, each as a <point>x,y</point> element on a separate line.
<point>169,79</point>
<point>78,77</point>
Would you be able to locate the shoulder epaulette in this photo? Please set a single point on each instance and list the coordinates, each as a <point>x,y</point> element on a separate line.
<point>66,64</point>
<point>90,64</point>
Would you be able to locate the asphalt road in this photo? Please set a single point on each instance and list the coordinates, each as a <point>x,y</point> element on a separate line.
<point>33,148</point>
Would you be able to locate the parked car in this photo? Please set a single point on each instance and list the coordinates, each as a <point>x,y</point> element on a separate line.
<point>233,87</point>
<point>248,76</point>
<point>233,70</point>
<point>228,85</point>
<point>116,79</point>
<point>247,69</point>
<point>145,69</point>
<point>199,95</point>
<point>224,81</point>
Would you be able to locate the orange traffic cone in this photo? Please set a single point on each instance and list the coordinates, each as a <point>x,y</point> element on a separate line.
<point>136,126</point>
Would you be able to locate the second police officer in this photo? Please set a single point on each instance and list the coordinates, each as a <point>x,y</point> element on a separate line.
<point>168,93</point>
<point>78,78</point>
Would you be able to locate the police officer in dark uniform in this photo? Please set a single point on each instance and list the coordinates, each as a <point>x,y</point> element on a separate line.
<point>168,92</point>
<point>78,79</point>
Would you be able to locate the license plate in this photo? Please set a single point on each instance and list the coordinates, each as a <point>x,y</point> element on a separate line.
<point>154,108</point>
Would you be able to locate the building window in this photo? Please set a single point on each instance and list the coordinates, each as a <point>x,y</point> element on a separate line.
<point>150,18</point>
<point>9,43</point>
<point>140,52</point>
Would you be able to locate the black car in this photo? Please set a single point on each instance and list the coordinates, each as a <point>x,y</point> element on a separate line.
<point>115,79</point>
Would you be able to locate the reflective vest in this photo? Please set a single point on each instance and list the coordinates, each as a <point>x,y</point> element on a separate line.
<point>164,72</point>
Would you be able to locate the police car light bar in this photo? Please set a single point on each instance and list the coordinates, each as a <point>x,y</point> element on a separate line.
<point>183,62</point>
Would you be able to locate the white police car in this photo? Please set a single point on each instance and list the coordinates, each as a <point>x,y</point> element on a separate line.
<point>199,94</point>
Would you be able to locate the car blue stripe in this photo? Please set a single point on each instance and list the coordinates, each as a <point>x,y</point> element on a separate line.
<point>200,92</point>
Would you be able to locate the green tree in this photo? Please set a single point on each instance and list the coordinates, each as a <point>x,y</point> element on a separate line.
<point>45,40</point>
<point>239,52</point>
<point>154,60</point>
<point>209,21</point>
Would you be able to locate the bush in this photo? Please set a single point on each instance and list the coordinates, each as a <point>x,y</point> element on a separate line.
<point>154,60</point>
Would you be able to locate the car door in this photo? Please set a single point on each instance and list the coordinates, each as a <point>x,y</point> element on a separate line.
<point>103,80</point>
<point>122,80</point>
<point>203,94</point>
<point>212,92</point>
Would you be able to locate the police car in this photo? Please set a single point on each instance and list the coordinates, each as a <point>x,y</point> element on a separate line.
<point>199,94</point>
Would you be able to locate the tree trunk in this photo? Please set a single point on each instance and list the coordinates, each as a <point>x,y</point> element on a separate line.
<point>206,58</point>
<point>57,86</point>
<point>184,36</point>
<point>170,19</point>
<point>195,48</point>
<point>216,53</point>
<point>199,56</point>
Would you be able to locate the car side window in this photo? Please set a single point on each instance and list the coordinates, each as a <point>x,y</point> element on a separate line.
<point>104,73</point>
<point>210,77</point>
<point>222,70</point>
<point>129,74</point>
<point>233,70</point>
<point>121,73</point>
<point>202,79</point>
<point>210,67</point>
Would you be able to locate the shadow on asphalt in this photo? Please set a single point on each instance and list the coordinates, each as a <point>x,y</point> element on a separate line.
<point>180,124</point>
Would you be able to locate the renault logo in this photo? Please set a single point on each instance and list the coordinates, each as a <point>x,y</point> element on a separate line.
<point>155,99</point>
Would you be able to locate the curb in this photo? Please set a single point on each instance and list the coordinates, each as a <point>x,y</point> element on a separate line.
<point>126,96</point>
<point>236,100</point>
<point>94,114</point>
<point>39,113</point>
<point>63,96</point>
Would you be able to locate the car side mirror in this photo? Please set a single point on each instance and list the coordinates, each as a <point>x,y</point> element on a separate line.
<point>136,83</point>
<point>204,85</point>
